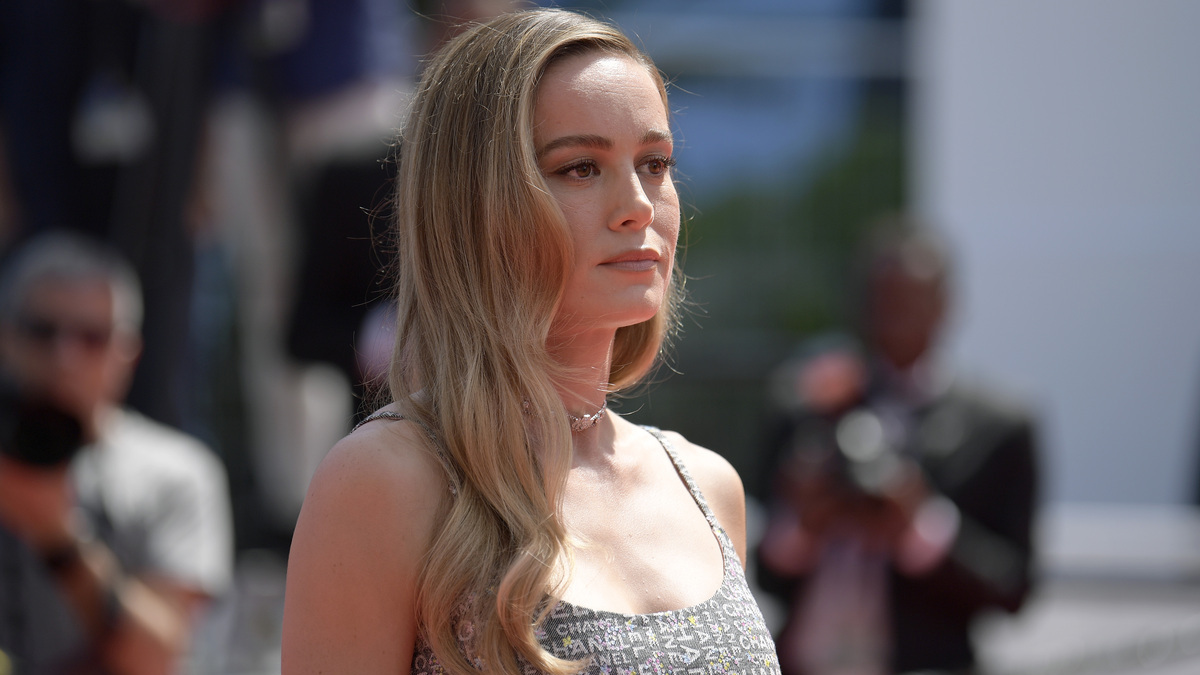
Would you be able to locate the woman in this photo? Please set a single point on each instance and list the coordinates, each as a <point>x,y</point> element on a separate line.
<point>494,517</point>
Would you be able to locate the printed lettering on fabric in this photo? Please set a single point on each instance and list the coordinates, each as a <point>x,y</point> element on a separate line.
<point>724,634</point>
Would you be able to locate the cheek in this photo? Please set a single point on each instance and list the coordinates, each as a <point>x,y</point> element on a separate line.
<point>579,214</point>
<point>667,220</point>
<point>672,239</point>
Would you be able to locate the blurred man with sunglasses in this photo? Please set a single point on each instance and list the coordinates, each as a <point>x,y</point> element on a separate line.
<point>108,552</point>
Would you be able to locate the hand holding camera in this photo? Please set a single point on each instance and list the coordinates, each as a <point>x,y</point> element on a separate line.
<point>848,473</point>
<point>37,442</point>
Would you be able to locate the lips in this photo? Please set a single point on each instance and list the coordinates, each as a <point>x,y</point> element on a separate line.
<point>638,260</point>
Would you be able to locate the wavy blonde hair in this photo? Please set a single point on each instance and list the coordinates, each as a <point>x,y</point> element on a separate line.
<point>483,256</point>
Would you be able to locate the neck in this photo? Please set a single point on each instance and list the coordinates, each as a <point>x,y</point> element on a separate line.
<point>587,358</point>
<point>94,423</point>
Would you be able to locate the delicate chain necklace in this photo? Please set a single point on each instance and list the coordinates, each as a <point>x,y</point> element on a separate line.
<point>586,422</point>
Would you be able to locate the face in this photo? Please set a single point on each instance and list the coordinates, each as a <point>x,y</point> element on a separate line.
<point>604,146</point>
<point>905,315</point>
<point>64,345</point>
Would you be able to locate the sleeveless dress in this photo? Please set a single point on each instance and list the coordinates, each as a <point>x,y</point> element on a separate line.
<point>724,634</point>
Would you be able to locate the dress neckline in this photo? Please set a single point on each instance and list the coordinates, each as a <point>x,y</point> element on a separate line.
<point>723,542</point>
<point>728,555</point>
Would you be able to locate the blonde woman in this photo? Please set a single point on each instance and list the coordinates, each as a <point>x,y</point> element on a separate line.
<point>494,517</point>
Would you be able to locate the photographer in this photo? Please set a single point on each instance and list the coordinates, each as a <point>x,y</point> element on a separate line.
<point>902,497</point>
<point>108,552</point>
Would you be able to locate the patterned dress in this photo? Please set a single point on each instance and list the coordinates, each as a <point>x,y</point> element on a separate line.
<point>724,634</point>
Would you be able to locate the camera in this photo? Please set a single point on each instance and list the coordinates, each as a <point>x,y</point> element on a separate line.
<point>852,448</point>
<point>867,460</point>
<point>34,431</point>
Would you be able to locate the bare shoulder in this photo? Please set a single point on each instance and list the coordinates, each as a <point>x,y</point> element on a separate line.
<point>720,484</point>
<point>375,475</point>
<point>357,551</point>
<point>384,453</point>
<point>388,463</point>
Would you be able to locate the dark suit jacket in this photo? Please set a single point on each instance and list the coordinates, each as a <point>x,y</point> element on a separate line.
<point>979,451</point>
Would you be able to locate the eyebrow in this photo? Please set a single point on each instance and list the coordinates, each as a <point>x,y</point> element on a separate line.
<point>599,142</point>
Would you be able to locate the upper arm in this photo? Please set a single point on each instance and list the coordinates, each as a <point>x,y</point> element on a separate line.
<point>722,489</point>
<point>356,554</point>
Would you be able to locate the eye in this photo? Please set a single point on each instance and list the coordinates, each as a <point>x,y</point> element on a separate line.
<point>580,170</point>
<point>657,166</point>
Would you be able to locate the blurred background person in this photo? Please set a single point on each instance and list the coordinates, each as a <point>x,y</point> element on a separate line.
<point>903,496</point>
<point>311,93</point>
<point>108,558</point>
<point>102,106</point>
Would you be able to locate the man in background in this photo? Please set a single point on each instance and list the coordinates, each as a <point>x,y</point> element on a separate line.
<point>106,556</point>
<point>902,495</point>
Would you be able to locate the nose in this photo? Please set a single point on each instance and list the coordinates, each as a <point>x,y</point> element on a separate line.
<point>633,208</point>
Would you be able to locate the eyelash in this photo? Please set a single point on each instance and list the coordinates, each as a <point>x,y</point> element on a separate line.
<point>667,162</point>
<point>587,163</point>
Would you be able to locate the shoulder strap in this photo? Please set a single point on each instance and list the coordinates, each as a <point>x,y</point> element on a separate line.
<point>685,476</point>
<point>378,415</point>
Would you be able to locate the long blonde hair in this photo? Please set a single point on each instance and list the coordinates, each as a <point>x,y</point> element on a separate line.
<point>484,253</point>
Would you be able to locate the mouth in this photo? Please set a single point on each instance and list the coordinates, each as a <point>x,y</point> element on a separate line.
<point>638,260</point>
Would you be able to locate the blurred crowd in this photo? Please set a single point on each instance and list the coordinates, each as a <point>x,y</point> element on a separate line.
<point>192,307</point>
<point>192,272</point>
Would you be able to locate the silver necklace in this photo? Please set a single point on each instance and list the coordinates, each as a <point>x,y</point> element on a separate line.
<point>586,422</point>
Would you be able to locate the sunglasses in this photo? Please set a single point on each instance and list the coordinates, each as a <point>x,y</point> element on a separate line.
<point>45,332</point>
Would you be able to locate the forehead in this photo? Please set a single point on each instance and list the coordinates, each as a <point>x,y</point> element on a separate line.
<point>70,298</point>
<point>597,87</point>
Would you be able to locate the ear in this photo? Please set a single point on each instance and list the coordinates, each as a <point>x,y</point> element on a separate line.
<point>128,348</point>
<point>123,358</point>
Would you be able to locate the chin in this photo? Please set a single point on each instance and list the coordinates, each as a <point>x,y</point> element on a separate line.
<point>613,310</point>
<point>645,314</point>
